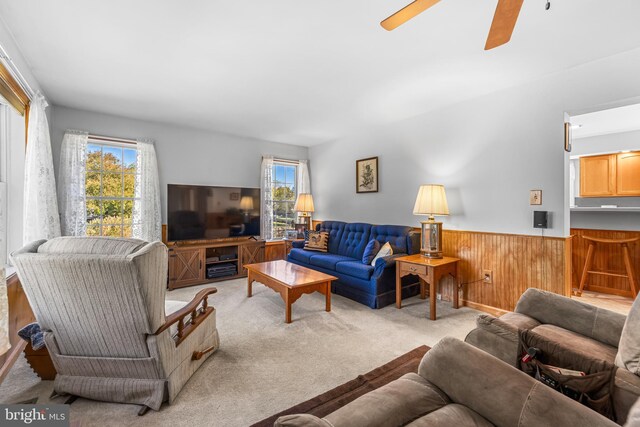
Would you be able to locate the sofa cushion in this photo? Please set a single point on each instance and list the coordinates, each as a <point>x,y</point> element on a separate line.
<point>302,255</point>
<point>370,251</point>
<point>588,347</point>
<point>451,415</point>
<point>394,404</point>
<point>355,269</point>
<point>328,261</point>
<point>397,235</point>
<point>317,241</point>
<point>335,229</point>
<point>355,237</point>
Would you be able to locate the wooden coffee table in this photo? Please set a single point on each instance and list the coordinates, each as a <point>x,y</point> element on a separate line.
<point>291,281</point>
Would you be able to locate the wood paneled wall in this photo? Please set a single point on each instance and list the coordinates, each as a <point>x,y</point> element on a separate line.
<point>606,258</point>
<point>518,262</point>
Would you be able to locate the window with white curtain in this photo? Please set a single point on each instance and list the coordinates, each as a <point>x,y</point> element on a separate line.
<point>284,197</point>
<point>110,188</point>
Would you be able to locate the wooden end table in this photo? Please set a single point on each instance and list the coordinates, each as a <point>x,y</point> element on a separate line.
<point>288,245</point>
<point>429,271</point>
<point>291,281</point>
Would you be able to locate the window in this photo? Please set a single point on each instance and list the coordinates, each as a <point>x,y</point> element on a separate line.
<point>284,197</point>
<point>110,189</point>
<point>12,154</point>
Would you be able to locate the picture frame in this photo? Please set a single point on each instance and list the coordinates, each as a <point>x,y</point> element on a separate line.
<point>367,175</point>
<point>234,196</point>
<point>535,197</point>
<point>300,228</point>
<point>291,234</point>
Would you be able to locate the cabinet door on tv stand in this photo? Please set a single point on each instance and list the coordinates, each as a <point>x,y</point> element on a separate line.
<point>186,267</point>
<point>252,253</point>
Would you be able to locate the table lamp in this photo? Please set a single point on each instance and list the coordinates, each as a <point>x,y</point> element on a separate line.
<point>431,201</point>
<point>246,205</point>
<point>304,205</point>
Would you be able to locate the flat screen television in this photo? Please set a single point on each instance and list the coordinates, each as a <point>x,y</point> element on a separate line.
<point>204,212</point>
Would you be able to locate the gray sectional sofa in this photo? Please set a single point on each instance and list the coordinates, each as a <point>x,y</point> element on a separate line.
<point>595,333</point>
<point>458,385</point>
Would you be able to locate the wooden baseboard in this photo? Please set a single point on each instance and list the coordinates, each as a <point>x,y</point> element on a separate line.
<point>486,308</point>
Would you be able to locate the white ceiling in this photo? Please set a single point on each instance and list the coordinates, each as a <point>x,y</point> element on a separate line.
<point>614,120</point>
<point>297,71</point>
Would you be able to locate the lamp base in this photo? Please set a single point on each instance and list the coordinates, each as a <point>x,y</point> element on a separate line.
<point>305,217</point>
<point>431,239</point>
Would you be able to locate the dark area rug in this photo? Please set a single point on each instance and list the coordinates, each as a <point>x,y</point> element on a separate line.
<point>331,400</point>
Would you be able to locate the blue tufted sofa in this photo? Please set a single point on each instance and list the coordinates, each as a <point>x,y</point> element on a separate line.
<point>374,286</point>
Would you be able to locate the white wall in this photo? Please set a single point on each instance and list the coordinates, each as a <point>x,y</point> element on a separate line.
<point>488,152</point>
<point>185,156</point>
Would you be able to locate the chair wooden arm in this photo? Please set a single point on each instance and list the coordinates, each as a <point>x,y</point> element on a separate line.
<point>193,309</point>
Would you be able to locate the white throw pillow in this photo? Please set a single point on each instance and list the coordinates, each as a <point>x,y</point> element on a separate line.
<point>384,251</point>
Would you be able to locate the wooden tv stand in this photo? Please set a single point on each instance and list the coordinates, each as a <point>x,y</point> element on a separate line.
<point>188,261</point>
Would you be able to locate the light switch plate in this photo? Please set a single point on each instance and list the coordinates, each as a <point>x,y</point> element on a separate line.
<point>535,197</point>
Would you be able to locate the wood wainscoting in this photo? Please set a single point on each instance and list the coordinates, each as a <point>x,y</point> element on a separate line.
<point>518,262</point>
<point>606,258</point>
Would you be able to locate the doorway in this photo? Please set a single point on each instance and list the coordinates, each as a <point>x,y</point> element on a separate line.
<point>604,206</point>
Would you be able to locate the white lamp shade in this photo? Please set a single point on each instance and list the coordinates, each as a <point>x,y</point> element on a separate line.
<point>304,203</point>
<point>246,203</point>
<point>431,200</point>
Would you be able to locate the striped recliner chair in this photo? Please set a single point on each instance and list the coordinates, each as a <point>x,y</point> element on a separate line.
<point>111,335</point>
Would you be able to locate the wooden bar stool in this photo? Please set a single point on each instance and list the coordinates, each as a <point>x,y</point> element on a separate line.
<point>588,264</point>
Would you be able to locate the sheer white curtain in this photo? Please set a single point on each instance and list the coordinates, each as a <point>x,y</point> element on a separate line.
<point>4,304</point>
<point>266,182</point>
<point>41,217</point>
<point>147,221</point>
<point>72,198</point>
<point>304,183</point>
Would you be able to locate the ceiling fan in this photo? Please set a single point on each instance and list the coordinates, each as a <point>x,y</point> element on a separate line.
<point>504,20</point>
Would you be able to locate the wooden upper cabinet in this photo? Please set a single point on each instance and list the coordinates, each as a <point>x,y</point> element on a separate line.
<point>628,174</point>
<point>598,176</point>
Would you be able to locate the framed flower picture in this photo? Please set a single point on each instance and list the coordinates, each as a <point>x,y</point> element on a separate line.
<point>367,175</point>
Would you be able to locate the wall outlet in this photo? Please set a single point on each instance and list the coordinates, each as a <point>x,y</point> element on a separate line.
<point>439,297</point>
<point>487,276</point>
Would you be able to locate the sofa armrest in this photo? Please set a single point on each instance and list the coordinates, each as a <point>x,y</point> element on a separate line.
<point>625,393</point>
<point>189,317</point>
<point>593,322</point>
<point>384,263</point>
<point>298,244</point>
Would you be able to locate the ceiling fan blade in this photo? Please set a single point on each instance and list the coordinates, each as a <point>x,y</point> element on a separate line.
<point>409,11</point>
<point>504,21</point>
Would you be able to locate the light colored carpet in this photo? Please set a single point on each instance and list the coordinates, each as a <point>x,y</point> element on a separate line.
<point>265,365</point>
